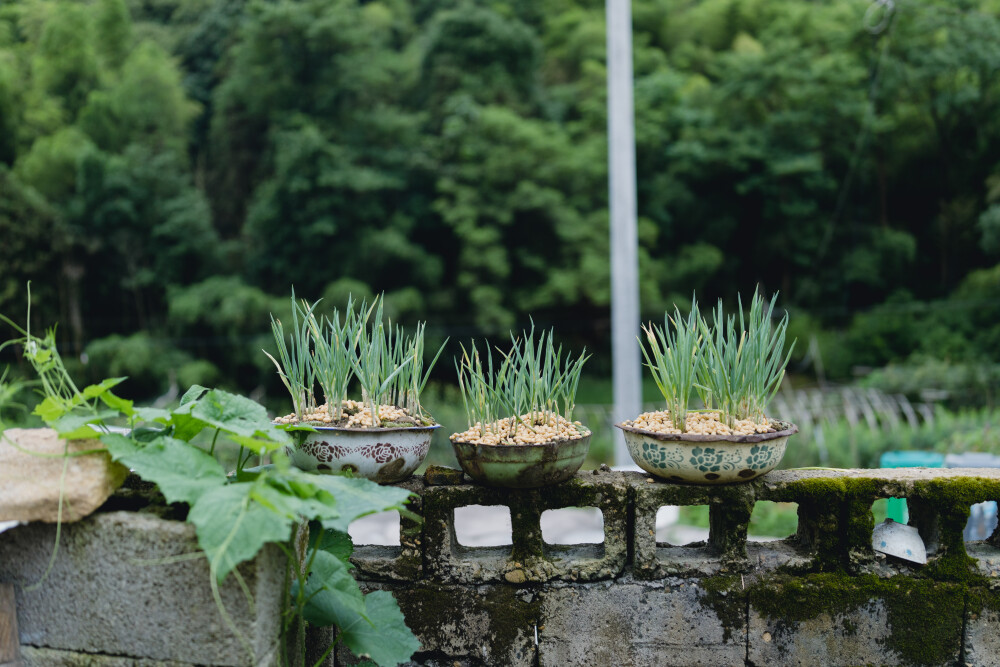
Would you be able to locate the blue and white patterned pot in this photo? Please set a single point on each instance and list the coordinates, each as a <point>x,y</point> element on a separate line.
<point>383,455</point>
<point>707,459</point>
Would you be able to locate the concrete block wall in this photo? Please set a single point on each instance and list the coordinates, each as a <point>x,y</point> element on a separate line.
<point>819,597</point>
<point>121,592</point>
<point>117,593</point>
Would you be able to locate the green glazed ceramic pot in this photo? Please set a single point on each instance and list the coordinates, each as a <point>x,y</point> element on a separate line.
<point>522,466</point>
<point>707,459</point>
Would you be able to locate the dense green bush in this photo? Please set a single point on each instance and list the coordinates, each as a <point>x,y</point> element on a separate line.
<point>170,167</point>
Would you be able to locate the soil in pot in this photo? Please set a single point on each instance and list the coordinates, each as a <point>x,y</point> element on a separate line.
<point>357,414</point>
<point>697,423</point>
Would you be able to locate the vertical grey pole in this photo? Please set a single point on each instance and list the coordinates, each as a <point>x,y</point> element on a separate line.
<point>626,366</point>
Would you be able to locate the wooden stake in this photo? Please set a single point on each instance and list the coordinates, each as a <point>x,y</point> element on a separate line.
<point>9,643</point>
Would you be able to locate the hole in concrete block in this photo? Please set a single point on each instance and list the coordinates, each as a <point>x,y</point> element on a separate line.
<point>890,508</point>
<point>982,523</point>
<point>573,525</point>
<point>681,526</point>
<point>380,529</point>
<point>771,521</point>
<point>483,525</point>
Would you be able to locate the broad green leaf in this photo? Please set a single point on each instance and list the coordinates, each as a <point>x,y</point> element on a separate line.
<point>95,390</point>
<point>51,409</point>
<point>332,541</point>
<point>358,497</point>
<point>122,405</point>
<point>331,592</point>
<point>381,634</point>
<point>152,415</point>
<point>182,471</point>
<point>245,421</point>
<point>195,392</point>
<point>230,412</point>
<point>232,527</point>
<point>308,500</point>
<point>77,427</point>
<point>258,445</point>
<point>185,426</point>
<point>119,446</point>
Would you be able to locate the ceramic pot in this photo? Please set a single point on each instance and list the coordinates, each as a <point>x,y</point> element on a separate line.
<point>707,459</point>
<point>522,466</point>
<point>383,455</point>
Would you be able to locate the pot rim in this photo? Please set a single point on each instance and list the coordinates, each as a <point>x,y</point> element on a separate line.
<point>789,429</point>
<point>547,443</point>
<point>362,429</point>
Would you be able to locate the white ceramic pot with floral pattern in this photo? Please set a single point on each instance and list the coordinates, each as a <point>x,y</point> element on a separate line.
<point>707,459</point>
<point>383,455</point>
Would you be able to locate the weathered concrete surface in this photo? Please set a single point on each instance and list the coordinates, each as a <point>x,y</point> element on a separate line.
<point>982,630</point>
<point>529,559</point>
<point>30,483</point>
<point>676,623</point>
<point>107,594</point>
<point>46,657</point>
<point>832,620</point>
<point>857,637</point>
<point>476,625</point>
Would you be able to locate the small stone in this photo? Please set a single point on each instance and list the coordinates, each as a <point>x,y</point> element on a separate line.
<point>767,637</point>
<point>442,476</point>
<point>515,577</point>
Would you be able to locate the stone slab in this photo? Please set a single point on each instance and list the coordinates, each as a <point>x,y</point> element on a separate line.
<point>678,623</point>
<point>30,483</point>
<point>113,590</point>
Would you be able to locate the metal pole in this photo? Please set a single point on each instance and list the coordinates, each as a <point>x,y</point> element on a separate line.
<point>626,365</point>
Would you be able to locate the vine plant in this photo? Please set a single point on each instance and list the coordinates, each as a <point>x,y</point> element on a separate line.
<point>237,514</point>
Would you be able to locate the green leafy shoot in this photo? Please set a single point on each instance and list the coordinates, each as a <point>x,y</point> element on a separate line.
<point>532,380</point>
<point>363,344</point>
<point>377,359</point>
<point>333,342</point>
<point>237,515</point>
<point>673,357</point>
<point>8,392</point>
<point>743,367</point>
<point>296,371</point>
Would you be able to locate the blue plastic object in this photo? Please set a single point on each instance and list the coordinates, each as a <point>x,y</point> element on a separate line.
<point>897,510</point>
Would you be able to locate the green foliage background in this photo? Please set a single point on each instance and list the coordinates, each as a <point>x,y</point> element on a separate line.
<point>170,168</point>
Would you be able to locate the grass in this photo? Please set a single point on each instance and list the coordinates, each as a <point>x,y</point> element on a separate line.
<point>673,359</point>
<point>362,345</point>
<point>742,368</point>
<point>531,378</point>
